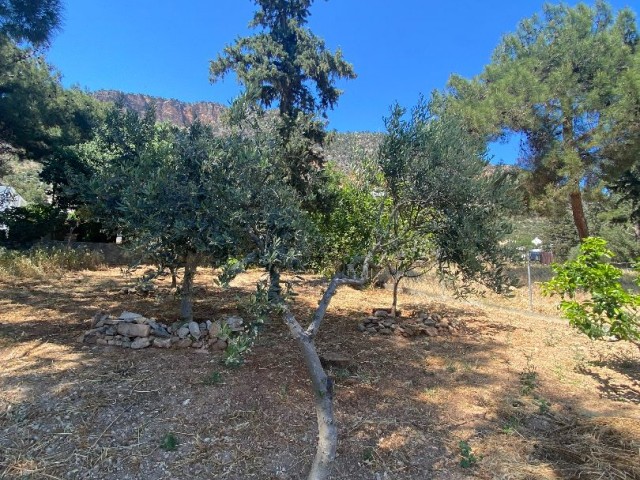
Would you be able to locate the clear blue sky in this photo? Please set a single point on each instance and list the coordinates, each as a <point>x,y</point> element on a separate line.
<point>399,49</point>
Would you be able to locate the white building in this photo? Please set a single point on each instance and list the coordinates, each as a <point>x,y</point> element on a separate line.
<point>10,198</point>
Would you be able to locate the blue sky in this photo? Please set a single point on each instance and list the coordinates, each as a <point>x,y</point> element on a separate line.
<point>399,49</point>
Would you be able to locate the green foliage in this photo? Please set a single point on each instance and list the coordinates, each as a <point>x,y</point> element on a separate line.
<point>213,378</point>
<point>443,207</point>
<point>24,177</point>
<point>32,21</point>
<point>609,310</point>
<point>237,347</point>
<point>557,80</point>
<point>285,64</point>
<point>280,64</point>
<point>468,458</point>
<point>46,262</point>
<point>169,442</point>
<point>31,223</point>
<point>348,228</point>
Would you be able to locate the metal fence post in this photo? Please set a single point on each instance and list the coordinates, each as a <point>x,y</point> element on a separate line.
<point>529,280</point>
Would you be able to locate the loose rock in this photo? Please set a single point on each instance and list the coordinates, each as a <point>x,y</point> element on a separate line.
<point>133,330</point>
<point>140,342</point>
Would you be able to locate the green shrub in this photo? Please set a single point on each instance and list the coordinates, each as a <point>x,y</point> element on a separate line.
<point>31,223</point>
<point>609,310</point>
<point>347,230</point>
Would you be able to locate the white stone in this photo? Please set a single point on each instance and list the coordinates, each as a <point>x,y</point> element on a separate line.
<point>194,330</point>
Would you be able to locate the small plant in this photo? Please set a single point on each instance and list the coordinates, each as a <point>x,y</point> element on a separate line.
<point>511,425</point>
<point>341,374</point>
<point>368,454</point>
<point>468,458</point>
<point>528,380</point>
<point>214,378</point>
<point>610,310</point>
<point>237,348</point>
<point>431,391</point>
<point>169,442</point>
<point>543,405</point>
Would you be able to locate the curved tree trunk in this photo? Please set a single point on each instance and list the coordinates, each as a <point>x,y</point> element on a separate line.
<point>579,218</point>
<point>186,306</point>
<point>273,294</point>
<point>394,303</point>
<point>323,400</point>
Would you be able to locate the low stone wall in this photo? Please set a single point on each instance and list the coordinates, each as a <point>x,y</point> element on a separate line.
<point>132,330</point>
<point>421,323</point>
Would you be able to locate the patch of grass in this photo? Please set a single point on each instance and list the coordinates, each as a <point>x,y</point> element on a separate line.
<point>451,366</point>
<point>511,425</point>
<point>431,391</point>
<point>368,454</point>
<point>214,378</point>
<point>543,405</point>
<point>528,378</point>
<point>40,262</point>
<point>468,458</point>
<point>341,374</point>
<point>169,442</point>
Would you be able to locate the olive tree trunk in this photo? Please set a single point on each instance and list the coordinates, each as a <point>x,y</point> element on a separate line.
<point>322,384</point>
<point>186,305</point>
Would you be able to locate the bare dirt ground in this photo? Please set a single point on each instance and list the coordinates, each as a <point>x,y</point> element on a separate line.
<point>513,396</point>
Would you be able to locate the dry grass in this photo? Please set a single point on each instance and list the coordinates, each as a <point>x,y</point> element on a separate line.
<point>531,398</point>
<point>41,262</point>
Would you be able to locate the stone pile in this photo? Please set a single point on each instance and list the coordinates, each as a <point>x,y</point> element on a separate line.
<point>132,330</point>
<point>422,323</point>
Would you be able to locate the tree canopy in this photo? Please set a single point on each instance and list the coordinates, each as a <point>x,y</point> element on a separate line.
<point>557,80</point>
<point>284,64</point>
<point>30,21</point>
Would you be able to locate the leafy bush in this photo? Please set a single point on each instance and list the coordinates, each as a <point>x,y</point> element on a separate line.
<point>610,310</point>
<point>40,262</point>
<point>346,231</point>
<point>31,223</point>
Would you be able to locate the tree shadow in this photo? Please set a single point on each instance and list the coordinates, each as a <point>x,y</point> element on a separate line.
<point>613,390</point>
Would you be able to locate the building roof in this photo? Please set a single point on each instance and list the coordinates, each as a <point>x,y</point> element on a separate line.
<point>10,198</point>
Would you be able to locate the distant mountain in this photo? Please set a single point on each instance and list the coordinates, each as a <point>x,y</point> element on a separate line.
<point>167,109</point>
<point>347,150</point>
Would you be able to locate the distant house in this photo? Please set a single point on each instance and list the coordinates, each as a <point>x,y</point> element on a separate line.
<point>10,198</point>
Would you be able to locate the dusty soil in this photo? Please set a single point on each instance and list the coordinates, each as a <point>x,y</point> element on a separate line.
<point>527,397</point>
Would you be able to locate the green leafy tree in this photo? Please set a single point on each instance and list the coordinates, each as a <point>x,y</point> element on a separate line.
<point>25,225</point>
<point>609,310</point>
<point>285,65</point>
<point>167,190</point>
<point>556,81</point>
<point>444,208</point>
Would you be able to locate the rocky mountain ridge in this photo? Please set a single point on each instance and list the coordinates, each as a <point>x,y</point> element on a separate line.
<point>167,109</point>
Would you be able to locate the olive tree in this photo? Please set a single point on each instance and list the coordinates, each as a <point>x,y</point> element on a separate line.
<point>444,208</point>
<point>166,190</point>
